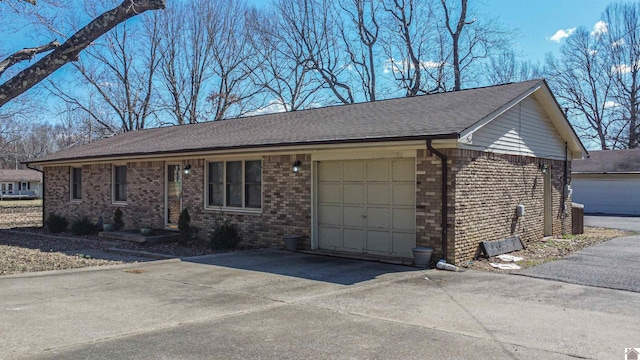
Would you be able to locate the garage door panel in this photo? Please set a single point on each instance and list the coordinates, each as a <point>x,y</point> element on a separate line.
<point>367,206</point>
<point>403,194</point>
<point>353,193</point>
<point>404,219</point>
<point>609,196</point>
<point>378,241</point>
<point>353,171</point>
<point>353,216</point>
<point>353,239</point>
<point>378,194</point>
<point>330,215</point>
<point>330,193</point>
<point>329,171</point>
<point>329,237</point>
<point>403,170</point>
<point>378,217</point>
<point>378,170</point>
<point>403,243</point>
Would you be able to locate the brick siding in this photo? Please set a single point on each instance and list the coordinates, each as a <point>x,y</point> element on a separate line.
<point>488,187</point>
<point>484,190</point>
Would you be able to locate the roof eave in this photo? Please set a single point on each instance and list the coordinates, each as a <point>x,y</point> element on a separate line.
<point>454,135</point>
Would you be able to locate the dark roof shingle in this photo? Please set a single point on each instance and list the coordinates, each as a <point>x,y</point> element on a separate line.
<point>609,161</point>
<point>8,175</point>
<point>421,116</point>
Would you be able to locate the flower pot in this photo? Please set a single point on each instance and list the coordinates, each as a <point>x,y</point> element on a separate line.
<point>107,227</point>
<point>291,242</point>
<point>422,256</point>
<point>146,231</point>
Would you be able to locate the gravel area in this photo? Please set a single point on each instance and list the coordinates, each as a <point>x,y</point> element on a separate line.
<point>550,249</point>
<point>32,249</point>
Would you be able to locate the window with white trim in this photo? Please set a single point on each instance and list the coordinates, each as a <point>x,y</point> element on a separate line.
<point>119,183</point>
<point>76,183</point>
<point>234,184</point>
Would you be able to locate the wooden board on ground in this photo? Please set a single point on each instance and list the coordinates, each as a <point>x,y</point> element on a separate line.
<point>498,247</point>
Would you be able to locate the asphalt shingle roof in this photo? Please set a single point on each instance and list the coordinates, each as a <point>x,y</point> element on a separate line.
<point>7,175</point>
<point>609,161</point>
<point>443,114</point>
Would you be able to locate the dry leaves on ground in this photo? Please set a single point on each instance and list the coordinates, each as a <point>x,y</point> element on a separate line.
<point>549,249</point>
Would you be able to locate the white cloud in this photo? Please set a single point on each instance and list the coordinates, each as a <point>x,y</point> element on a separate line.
<point>621,69</point>
<point>617,43</point>
<point>561,34</point>
<point>393,65</point>
<point>273,107</point>
<point>599,28</point>
<point>611,104</point>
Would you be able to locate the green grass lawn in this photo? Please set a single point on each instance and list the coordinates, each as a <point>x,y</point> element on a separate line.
<point>20,203</point>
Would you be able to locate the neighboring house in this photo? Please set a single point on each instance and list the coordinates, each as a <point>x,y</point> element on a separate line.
<point>608,182</point>
<point>20,184</point>
<point>369,176</point>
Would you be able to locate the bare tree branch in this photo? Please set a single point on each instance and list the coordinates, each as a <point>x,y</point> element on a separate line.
<point>70,50</point>
<point>25,54</point>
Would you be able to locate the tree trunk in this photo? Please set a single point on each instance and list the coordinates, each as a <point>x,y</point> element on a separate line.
<point>70,50</point>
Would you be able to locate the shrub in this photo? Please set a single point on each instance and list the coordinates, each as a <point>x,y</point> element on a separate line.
<point>184,226</point>
<point>118,224</point>
<point>83,226</point>
<point>225,235</point>
<point>56,223</point>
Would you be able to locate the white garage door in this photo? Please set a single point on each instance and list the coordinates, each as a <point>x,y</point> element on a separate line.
<point>367,206</point>
<point>615,196</point>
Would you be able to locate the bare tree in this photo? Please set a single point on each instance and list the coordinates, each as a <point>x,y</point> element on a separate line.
<point>583,84</point>
<point>284,72</point>
<point>120,71</point>
<point>622,37</point>
<point>314,29</point>
<point>363,17</point>
<point>406,42</point>
<point>70,49</point>
<point>506,67</point>
<point>466,41</point>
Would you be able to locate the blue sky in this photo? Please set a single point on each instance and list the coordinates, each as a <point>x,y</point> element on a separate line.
<point>540,20</point>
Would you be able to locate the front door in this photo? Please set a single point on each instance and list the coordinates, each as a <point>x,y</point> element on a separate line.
<point>173,195</point>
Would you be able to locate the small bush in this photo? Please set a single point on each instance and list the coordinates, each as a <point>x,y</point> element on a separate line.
<point>118,224</point>
<point>225,235</point>
<point>56,223</point>
<point>83,226</point>
<point>184,226</point>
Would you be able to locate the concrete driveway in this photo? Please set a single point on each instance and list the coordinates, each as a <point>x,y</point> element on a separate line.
<point>613,264</point>
<point>281,305</point>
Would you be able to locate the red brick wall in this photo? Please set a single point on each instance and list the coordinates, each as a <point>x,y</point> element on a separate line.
<point>487,189</point>
<point>286,207</point>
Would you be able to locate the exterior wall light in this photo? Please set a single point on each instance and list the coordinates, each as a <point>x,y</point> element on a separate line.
<point>296,167</point>
<point>543,168</point>
<point>187,170</point>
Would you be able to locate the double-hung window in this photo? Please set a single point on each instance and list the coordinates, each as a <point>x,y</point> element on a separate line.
<point>76,183</point>
<point>120,183</point>
<point>234,184</point>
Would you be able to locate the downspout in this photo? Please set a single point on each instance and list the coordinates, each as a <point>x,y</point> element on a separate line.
<point>565,188</point>
<point>41,191</point>
<point>444,191</point>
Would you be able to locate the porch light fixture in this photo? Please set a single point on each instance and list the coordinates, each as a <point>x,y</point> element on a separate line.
<point>543,168</point>
<point>296,167</point>
<point>187,170</point>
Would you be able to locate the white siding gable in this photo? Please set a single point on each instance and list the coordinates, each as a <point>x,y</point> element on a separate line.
<point>524,129</point>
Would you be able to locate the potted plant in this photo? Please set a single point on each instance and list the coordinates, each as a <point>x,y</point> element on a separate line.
<point>184,225</point>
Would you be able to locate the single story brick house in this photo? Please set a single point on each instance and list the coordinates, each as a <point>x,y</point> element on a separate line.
<point>20,184</point>
<point>445,171</point>
<point>608,182</point>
